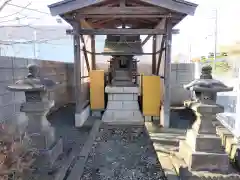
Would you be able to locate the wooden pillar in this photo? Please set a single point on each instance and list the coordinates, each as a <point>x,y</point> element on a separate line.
<point>93,50</point>
<point>77,66</point>
<point>167,72</point>
<point>154,48</point>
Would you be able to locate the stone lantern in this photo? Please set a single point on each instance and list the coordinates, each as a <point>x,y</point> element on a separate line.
<point>202,149</point>
<point>37,105</point>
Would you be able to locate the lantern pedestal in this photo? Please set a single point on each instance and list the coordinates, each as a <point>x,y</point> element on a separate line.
<point>201,155</point>
<point>38,132</point>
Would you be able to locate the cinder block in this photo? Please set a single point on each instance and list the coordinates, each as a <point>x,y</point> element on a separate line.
<point>137,115</point>
<point>156,118</point>
<point>7,111</point>
<point>148,118</point>
<point>20,73</point>
<point>179,95</point>
<point>115,105</point>
<point>6,74</point>
<point>135,97</point>
<point>108,115</point>
<point>3,86</point>
<point>20,62</point>
<point>110,97</point>
<point>123,97</point>
<point>173,67</point>
<point>131,90</point>
<point>118,114</point>
<point>6,62</point>
<point>7,98</point>
<point>185,66</point>
<point>131,105</point>
<point>173,77</point>
<point>111,89</point>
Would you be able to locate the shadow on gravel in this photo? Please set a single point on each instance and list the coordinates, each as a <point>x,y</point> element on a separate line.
<point>63,120</point>
<point>181,118</point>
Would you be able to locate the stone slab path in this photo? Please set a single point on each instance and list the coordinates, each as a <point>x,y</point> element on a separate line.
<point>120,153</point>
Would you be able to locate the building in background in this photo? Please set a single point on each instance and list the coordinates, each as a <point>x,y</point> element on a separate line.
<point>40,42</point>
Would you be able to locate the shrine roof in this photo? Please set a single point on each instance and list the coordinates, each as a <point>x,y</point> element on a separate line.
<point>108,13</point>
<point>66,6</point>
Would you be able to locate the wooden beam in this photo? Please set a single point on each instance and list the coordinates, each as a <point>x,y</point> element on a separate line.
<point>118,16</point>
<point>122,3</point>
<point>77,67</point>
<point>154,46</point>
<point>167,72</point>
<point>160,55</point>
<point>121,31</point>
<point>122,10</point>
<point>93,50</point>
<point>161,24</point>
<point>85,52</point>
<point>85,24</point>
<point>120,54</point>
<point>146,40</point>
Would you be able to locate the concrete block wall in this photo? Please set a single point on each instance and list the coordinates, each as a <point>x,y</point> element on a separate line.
<point>181,74</point>
<point>13,69</point>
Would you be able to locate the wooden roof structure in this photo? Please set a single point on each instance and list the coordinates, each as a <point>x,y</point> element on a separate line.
<point>155,18</point>
<point>109,14</point>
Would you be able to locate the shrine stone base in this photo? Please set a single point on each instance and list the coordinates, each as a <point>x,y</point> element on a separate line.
<point>122,107</point>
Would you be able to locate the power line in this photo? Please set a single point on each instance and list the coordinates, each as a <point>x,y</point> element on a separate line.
<point>31,41</point>
<point>17,12</point>
<point>17,19</point>
<point>31,9</point>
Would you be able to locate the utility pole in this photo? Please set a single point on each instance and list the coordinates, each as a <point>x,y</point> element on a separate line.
<point>34,44</point>
<point>190,52</point>
<point>215,38</point>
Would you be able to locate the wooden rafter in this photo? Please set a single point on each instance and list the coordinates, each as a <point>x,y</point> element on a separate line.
<point>93,50</point>
<point>162,49</point>
<point>146,40</point>
<point>121,31</point>
<point>122,11</point>
<point>161,24</point>
<point>154,48</point>
<point>85,53</point>
<point>113,23</point>
<point>118,16</point>
<point>120,54</point>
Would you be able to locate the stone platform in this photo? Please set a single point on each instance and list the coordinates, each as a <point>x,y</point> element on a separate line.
<point>122,106</point>
<point>185,174</point>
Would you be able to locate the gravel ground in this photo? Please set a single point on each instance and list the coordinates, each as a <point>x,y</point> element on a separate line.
<point>123,154</point>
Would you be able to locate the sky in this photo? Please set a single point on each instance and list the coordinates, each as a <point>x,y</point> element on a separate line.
<point>196,31</point>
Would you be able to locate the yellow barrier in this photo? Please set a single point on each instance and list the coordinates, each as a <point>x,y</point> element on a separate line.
<point>151,95</point>
<point>97,101</point>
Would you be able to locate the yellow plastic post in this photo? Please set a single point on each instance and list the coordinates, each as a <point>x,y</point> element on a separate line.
<point>151,95</point>
<point>97,101</point>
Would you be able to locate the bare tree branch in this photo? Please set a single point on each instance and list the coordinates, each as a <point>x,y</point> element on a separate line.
<point>5,2</point>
